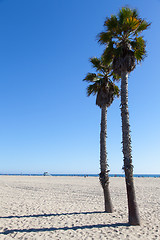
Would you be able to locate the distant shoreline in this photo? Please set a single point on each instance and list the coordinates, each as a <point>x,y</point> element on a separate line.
<point>83,175</point>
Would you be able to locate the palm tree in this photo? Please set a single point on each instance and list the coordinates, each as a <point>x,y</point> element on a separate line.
<point>126,47</point>
<point>106,90</point>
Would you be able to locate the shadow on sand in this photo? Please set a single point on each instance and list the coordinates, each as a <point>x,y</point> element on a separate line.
<point>5,232</point>
<point>62,228</point>
<point>51,215</point>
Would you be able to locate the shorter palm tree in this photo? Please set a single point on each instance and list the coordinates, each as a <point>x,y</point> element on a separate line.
<point>106,90</point>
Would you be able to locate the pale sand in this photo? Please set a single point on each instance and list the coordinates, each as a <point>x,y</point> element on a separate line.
<point>72,208</point>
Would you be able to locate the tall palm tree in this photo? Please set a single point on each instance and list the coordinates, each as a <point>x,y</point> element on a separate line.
<point>101,85</point>
<point>126,47</point>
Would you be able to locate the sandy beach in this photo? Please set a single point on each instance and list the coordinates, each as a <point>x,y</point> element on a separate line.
<point>72,208</point>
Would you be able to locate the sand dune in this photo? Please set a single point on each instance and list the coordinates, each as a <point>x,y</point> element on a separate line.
<point>72,208</point>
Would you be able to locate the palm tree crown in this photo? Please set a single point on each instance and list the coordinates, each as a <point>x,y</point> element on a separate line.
<point>123,41</point>
<point>100,83</point>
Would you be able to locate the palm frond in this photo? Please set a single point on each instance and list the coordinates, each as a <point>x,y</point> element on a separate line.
<point>138,46</point>
<point>142,26</point>
<point>128,12</point>
<point>111,24</point>
<point>133,23</point>
<point>100,75</point>
<point>115,77</point>
<point>90,77</point>
<point>109,53</point>
<point>104,37</point>
<point>97,64</point>
<point>135,13</point>
<point>116,91</point>
<point>124,14</point>
<point>93,89</point>
<point>129,21</point>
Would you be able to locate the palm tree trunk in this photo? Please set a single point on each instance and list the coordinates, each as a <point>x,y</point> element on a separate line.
<point>103,176</point>
<point>134,218</point>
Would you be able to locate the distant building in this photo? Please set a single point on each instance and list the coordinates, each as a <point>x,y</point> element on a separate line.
<point>46,174</point>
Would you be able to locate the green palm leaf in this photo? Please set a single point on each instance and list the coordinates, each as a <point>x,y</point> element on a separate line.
<point>143,26</point>
<point>138,45</point>
<point>93,89</point>
<point>90,77</point>
<point>97,64</point>
<point>111,24</point>
<point>104,37</point>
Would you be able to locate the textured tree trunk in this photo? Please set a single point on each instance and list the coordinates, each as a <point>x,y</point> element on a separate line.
<point>134,218</point>
<point>104,178</point>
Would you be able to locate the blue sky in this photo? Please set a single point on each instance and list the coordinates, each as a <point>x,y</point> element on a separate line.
<point>46,121</point>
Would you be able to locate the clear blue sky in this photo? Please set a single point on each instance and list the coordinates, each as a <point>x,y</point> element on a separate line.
<point>46,121</point>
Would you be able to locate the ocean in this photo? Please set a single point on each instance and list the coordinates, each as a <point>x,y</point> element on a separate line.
<point>84,175</point>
